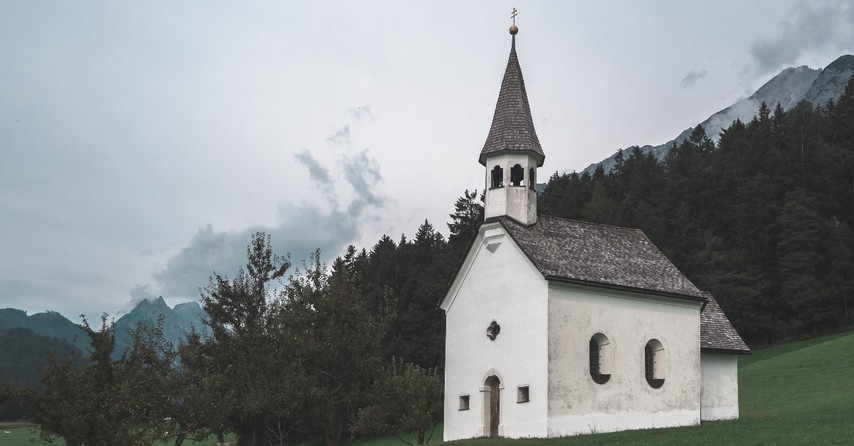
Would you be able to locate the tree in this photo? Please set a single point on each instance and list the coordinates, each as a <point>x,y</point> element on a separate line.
<point>840,269</point>
<point>197,407</point>
<point>465,221</point>
<point>258,375</point>
<point>800,288</point>
<point>339,341</point>
<point>600,208</point>
<point>406,399</point>
<point>99,403</point>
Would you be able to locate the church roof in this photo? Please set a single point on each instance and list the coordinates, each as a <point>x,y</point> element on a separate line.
<point>716,332</point>
<point>599,255</point>
<point>512,127</point>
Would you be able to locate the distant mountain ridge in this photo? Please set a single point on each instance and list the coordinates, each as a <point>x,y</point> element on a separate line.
<point>177,322</point>
<point>48,324</point>
<point>789,88</point>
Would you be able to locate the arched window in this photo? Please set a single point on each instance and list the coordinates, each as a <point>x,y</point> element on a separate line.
<point>517,174</point>
<point>497,179</point>
<point>653,355</point>
<point>532,178</point>
<point>600,358</point>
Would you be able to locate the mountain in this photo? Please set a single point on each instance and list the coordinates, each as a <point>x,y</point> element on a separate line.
<point>177,321</point>
<point>788,88</point>
<point>830,84</point>
<point>49,324</point>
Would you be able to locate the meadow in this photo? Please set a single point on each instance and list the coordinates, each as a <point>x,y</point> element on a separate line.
<point>792,394</point>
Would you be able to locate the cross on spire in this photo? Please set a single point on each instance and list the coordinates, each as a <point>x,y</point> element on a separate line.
<point>513,28</point>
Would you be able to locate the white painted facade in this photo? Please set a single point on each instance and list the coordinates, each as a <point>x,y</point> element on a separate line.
<point>577,404</point>
<point>496,283</point>
<point>719,399</point>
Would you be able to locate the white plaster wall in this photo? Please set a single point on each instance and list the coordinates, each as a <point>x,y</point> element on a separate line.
<point>497,282</point>
<point>578,405</point>
<point>719,398</point>
<point>519,202</point>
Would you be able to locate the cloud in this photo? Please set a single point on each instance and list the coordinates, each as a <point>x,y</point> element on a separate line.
<point>318,174</point>
<point>363,174</point>
<point>340,137</point>
<point>300,228</point>
<point>811,25</point>
<point>692,77</point>
<point>138,294</point>
<point>207,252</point>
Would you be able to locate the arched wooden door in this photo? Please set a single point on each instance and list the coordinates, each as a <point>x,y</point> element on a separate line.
<point>494,385</point>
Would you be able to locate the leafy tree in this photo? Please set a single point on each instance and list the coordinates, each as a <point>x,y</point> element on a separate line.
<point>257,373</point>
<point>406,399</point>
<point>96,403</point>
<point>198,404</point>
<point>339,341</point>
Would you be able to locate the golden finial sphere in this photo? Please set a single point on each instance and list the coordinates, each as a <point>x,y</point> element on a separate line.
<point>513,30</point>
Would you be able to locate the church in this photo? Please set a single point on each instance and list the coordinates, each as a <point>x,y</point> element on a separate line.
<point>558,327</point>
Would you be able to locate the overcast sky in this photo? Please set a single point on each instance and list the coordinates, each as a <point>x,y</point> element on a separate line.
<point>143,142</point>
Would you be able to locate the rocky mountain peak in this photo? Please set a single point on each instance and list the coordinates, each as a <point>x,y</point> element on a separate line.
<point>830,84</point>
<point>788,88</point>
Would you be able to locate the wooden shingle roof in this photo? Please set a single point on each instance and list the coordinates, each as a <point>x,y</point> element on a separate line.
<point>716,332</point>
<point>512,128</point>
<point>599,255</point>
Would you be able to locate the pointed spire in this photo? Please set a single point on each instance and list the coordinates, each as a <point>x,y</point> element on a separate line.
<point>512,127</point>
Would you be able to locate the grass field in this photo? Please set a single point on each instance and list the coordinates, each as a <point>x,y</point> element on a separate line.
<point>22,434</point>
<point>793,394</point>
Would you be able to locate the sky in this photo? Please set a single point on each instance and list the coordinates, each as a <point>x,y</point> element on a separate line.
<point>142,143</point>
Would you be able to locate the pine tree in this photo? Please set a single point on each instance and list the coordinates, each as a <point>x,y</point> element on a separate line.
<point>800,290</point>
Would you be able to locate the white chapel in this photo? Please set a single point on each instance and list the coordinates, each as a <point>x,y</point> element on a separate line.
<point>557,327</point>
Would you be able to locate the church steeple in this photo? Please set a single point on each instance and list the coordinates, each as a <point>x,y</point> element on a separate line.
<point>512,152</point>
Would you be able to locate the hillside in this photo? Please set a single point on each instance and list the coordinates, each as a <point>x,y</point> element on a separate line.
<point>23,357</point>
<point>49,324</point>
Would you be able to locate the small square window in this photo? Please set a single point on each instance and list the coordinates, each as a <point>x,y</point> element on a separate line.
<point>464,402</point>
<point>522,394</point>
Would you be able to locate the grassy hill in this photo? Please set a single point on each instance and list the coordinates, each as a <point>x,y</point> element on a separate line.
<point>799,393</point>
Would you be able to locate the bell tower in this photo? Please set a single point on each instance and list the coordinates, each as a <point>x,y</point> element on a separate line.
<point>512,151</point>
